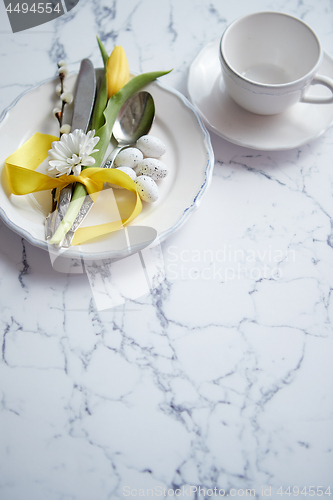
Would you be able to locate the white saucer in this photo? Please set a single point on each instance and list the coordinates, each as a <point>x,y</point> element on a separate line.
<point>297,126</point>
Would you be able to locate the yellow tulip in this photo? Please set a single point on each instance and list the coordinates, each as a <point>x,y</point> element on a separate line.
<point>117,70</point>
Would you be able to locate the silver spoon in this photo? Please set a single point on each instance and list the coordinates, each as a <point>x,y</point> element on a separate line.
<point>134,120</point>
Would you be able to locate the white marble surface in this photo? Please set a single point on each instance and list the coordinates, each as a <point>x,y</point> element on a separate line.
<point>223,376</point>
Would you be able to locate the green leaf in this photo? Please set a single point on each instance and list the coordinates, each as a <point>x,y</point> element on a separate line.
<point>105,55</point>
<point>100,105</point>
<point>102,97</point>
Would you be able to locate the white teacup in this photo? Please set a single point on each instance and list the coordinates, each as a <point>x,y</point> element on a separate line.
<point>269,60</point>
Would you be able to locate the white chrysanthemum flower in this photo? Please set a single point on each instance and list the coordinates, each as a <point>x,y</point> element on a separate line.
<point>73,152</point>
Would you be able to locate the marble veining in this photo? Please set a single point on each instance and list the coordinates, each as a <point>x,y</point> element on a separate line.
<point>216,376</point>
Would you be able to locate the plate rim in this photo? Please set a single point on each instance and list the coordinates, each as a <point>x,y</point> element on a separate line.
<point>75,251</point>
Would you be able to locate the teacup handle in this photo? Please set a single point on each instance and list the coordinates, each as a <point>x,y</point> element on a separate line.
<point>320,80</point>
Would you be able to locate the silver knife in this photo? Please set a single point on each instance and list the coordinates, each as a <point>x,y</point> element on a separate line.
<point>85,94</point>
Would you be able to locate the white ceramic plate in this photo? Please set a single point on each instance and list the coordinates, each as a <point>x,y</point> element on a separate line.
<point>295,127</point>
<point>189,156</point>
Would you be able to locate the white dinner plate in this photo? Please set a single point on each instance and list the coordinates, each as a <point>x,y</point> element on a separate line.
<point>295,127</point>
<point>189,157</point>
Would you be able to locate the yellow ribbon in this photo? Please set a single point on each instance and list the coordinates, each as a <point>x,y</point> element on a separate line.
<point>23,179</point>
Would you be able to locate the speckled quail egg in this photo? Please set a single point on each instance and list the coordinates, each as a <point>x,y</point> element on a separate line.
<point>127,170</point>
<point>128,157</point>
<point>147,188</point>
<point>151,146</point>
<point>153,167</point>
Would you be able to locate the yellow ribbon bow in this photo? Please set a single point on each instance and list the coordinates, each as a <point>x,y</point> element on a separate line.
<point>23,179</point>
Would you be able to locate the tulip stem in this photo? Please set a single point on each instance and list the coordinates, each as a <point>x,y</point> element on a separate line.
<point>75,205</point>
